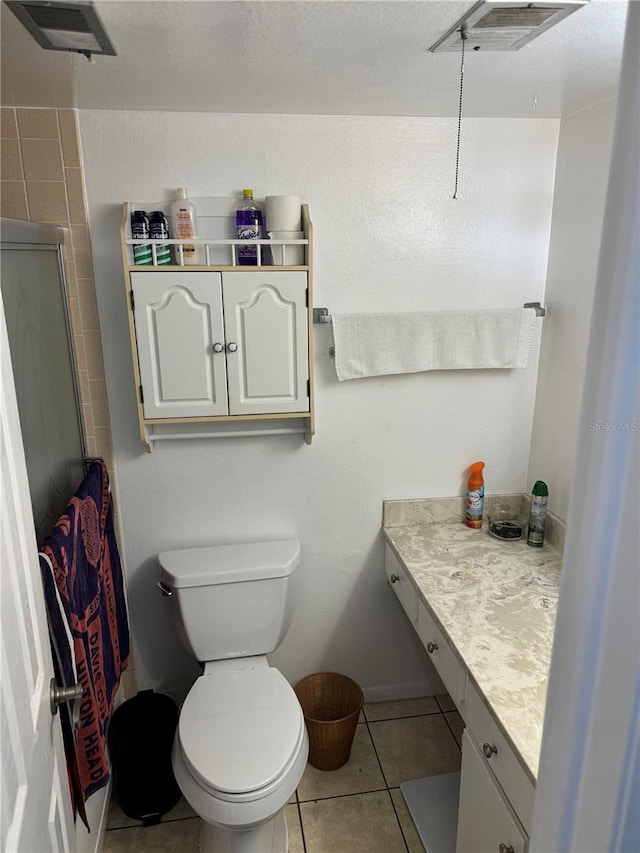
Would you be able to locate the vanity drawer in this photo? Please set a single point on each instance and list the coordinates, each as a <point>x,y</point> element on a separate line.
<point>509,772</point>
<point>486,821</point>
<point>401,585</point>
<point>449,667</point>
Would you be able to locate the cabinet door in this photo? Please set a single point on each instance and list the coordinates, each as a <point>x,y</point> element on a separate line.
<point>486,822</point>
<point>265,317</point>
<point>178,319</point>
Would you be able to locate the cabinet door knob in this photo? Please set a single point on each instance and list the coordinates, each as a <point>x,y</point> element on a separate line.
<point>218,347</point>
<point>432,647</point>
<point>504,848</point>
<point>489,749</point>
<point>394,578</point>
<point>232,347</point>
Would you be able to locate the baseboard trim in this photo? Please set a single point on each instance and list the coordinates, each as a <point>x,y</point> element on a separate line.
<point>389,692</point>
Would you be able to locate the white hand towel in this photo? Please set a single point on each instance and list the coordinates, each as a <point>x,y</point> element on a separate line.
<point>379,344</point>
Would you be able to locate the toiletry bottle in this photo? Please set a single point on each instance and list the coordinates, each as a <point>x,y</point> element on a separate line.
<point>475,497</point>
<point>159,230</point>
<point>538,514</point>
<point>140,231</point>
<point>185,227</point>
<point>249,227</point>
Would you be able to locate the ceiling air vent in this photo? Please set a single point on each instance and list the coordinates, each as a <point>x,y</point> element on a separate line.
<point>63,26</point>
<point>504,26</point>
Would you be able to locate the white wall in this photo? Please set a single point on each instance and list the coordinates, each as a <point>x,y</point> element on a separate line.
<point>584,152</point>
<point>388,237</point>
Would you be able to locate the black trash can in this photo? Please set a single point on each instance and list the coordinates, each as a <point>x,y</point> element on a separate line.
<point>141,735</point>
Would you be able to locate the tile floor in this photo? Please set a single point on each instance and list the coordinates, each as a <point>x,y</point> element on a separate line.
<point>356,809</point>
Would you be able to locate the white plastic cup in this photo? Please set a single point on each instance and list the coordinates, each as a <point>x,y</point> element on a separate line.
<point>291,256</point>
<point>282,213</point>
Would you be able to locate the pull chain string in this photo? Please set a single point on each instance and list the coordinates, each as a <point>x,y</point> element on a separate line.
<point>463,36</point>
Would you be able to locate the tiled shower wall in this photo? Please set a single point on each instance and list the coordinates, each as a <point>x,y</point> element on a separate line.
<point>41,181</point>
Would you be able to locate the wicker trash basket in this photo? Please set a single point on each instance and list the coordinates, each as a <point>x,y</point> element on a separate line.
<point>331,704</point>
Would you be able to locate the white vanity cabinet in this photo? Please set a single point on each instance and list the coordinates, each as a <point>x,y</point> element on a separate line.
<point>486,821</point>
<point>220,350</point>
<point>496,794</point>
<point>216,343</point>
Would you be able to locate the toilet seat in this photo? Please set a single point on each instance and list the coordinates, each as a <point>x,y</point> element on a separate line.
<point>240,732</point>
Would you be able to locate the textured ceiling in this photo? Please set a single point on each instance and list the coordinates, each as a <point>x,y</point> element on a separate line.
<point>336,57</point>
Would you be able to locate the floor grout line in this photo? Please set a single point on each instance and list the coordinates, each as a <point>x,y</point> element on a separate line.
<point>399,822</point>
<point>451,730</point>
<point>304,840</point>
<point>373,743</point>
<point>342,796</point>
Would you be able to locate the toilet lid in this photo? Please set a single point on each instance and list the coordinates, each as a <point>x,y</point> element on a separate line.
<point>239,729</point>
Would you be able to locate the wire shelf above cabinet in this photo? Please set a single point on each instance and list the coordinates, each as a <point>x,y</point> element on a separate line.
<point>217,239</point>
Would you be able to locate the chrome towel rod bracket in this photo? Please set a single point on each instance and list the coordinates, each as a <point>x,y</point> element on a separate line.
<point>321,316</point>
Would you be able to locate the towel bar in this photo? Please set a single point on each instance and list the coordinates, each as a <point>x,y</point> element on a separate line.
<point>322,316</point>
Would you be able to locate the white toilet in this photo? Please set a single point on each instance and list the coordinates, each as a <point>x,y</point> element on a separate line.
<point>241,746</point>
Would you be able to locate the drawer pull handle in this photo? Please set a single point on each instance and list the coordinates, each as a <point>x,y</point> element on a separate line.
<point>432,647</point>
<point>218,347</point>
<point>506,849</point>
<point>490,750</point>
<point>394,578</point>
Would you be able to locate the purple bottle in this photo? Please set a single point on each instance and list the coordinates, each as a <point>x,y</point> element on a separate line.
<point>249,227</point>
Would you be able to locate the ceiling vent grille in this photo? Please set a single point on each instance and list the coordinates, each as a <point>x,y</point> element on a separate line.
<point>63,26</point>
<point>504,26</point>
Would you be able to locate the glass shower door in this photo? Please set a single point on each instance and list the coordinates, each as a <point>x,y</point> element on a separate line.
<point>43,366</point>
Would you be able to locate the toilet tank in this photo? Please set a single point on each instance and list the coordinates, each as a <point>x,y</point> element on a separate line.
<point>230,601</point>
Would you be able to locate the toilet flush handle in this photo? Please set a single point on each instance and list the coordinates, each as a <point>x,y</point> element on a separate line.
<point>164,589</point>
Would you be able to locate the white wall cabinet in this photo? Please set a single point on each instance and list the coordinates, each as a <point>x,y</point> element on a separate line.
<point>220,350</point>
<point>212,343</point>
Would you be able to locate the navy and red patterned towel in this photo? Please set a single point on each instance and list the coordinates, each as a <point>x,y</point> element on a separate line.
<point>84,592</point>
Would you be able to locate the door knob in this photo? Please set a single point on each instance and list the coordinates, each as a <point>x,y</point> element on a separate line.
<point>61,695</point>
<point>506,849</point>
<point>218,347</point>
<point>394,578</point>
<point>489,749</point>
<point>232,347</point>
<point>432,647</point>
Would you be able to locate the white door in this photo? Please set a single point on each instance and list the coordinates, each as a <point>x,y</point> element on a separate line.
<point>36,810</point>
<point>265,316</point>
<point>179,331</point>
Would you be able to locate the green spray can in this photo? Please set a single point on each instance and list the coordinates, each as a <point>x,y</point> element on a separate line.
<point>538,514</point>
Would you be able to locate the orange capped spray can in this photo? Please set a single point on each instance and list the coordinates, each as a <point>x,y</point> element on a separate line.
<point>475,497</point>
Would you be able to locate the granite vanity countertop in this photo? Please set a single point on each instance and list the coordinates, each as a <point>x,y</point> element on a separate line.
<point>496,603</point>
